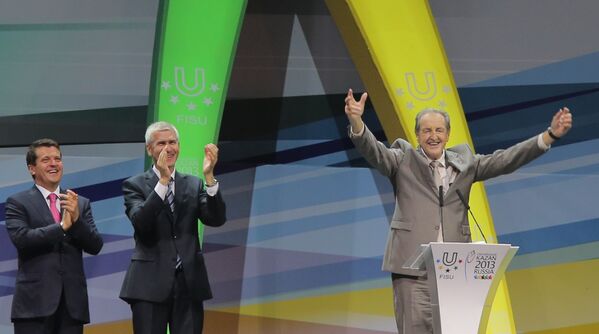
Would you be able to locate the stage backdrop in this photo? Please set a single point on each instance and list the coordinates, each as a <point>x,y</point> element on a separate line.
<point>302,250</point>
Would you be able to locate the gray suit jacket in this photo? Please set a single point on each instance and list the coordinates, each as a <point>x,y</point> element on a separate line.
<point>417,217</point>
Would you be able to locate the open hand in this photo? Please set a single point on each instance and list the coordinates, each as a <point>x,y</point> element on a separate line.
<point>210,159</point>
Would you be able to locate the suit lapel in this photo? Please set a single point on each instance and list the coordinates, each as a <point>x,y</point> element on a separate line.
<point>180,191</point>
<point>40,205</point>
<point>151,180</point>
<point>455,160</point>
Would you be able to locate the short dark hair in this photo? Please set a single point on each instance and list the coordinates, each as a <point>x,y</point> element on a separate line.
<point>31,156</point>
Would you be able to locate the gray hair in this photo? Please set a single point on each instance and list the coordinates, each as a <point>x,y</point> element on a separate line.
<point>432,111</point>
<point>160,126</point>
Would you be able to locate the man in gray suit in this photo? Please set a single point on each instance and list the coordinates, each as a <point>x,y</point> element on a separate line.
<point>420,177</point>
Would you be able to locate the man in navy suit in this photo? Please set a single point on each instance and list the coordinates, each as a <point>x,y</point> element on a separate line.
<point>50,290</point>
<point>167,282</point>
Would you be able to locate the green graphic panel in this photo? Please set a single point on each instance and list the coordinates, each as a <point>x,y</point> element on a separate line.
<point>193,54</point>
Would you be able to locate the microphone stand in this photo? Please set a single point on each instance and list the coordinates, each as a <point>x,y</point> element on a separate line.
<point>441,212</point>
<point>463,200</point>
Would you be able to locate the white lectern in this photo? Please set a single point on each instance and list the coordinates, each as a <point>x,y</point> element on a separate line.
<point>463,279</point>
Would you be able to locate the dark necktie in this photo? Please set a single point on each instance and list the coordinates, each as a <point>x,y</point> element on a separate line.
<point>170,200</point>
<point>170,196</point>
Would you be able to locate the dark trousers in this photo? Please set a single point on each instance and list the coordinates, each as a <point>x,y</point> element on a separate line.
<point>58,323</point>
<point>179,312</point>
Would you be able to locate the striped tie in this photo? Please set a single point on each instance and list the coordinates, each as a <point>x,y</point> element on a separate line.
<point>170,196</point>
<point>170,200</point>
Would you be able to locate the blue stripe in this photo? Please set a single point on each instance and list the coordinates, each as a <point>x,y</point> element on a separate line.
<point>327,275</point>
<point>298,226</point>
<point>346,184</point>
<point>565,175</point>
<point>95,192</point>
<point>95,266</point>
<point>553,237</point>
<point>575,70</point>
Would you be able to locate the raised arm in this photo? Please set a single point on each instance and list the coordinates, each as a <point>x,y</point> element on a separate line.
<point>379,156</point>
<point>508,160</point>
<point>561,123</point>
<point>354,111</point>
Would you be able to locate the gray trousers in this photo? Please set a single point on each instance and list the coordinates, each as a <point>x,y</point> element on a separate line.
<point>413,310</point>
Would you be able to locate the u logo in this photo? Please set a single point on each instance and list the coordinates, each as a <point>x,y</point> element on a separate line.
<point>450,262</point>
<point>415,90</point>
<point>198,82</point>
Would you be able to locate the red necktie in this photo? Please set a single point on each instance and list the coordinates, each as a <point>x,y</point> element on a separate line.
<point>53,209</point>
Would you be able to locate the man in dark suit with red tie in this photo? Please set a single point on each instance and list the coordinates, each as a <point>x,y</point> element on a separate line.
<point>50,290</point>
<point>167,282</point>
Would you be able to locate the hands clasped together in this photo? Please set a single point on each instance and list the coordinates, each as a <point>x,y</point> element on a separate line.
<point>69,204</point>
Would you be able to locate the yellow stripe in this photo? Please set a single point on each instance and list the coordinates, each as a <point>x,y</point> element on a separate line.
<point>582,329</point>
<point>372,305</point>
<point>556,298</point>
<point>400,57</point>
<point>121,327</point>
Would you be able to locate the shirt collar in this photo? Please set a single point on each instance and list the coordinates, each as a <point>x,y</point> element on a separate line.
<point>45,192</point>
<point>441,160</point>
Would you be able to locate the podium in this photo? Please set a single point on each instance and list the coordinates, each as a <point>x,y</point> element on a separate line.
<point>463,279</point>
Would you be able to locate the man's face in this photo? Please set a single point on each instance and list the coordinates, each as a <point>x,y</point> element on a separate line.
<point>433,135</point>
<point>47,171</point>
<point>161,140</point>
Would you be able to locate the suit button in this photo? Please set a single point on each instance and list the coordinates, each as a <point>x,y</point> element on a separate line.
<point>436,227</point>
<point>175,237</point>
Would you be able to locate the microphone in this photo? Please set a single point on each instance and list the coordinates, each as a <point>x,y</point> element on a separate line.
<point>463,200</point>
<point>441,212</point>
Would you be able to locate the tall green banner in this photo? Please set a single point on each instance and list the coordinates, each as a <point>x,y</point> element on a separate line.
<point>194,51</point>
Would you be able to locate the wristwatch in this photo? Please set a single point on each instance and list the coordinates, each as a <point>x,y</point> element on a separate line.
<point>214,182</point>
<point>552,135</point>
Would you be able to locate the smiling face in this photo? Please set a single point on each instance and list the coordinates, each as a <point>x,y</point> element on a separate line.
<point>164,140</point>
<point>47,169</point>
<point>432,135</point>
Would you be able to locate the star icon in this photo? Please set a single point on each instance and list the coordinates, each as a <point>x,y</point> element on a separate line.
<point>410,105</point>
<point>208,101</point>
<point>446,89</point>
<point>442,104</point>
<point>399,92</point>
<point>214,87</point>
<point>191,106</point>
<point>174,99</point>
<point>165,85</point>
